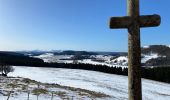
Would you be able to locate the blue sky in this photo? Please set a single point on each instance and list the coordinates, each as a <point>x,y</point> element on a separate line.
<point>75,24</point>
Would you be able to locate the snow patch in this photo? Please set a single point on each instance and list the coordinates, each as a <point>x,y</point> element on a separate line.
<point>45,55</point>
<point>122,60</point>
<point>149,56</point>
<point>146,46</point>
<point>114,85</point>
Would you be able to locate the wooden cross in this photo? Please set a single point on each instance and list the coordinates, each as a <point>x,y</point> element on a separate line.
<point>133,22</point>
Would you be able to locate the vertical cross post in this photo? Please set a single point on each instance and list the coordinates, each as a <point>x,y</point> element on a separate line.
<point>133,22</point>
<point>134,52</point>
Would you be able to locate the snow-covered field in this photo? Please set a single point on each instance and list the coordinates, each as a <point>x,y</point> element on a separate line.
<point>149,56</point>
<point>114,85</point>
<point>50,57</point>
<point>107,60</point>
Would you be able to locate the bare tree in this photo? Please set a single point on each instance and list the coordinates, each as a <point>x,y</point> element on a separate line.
<point>5,69</point>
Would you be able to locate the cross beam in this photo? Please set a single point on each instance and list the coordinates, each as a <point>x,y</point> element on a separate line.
<point>133,22</point>
<point>144,21</point>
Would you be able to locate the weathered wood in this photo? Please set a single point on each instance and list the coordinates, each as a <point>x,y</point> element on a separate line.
<point>119,22</point>
<point>133,22</point>
<point>149,20</point>
<point>144,21</point>
<point>134,52</point>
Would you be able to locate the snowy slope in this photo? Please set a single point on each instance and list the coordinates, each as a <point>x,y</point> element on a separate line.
<point>146,46</point>
<point>20,87</point>
<point>106,63</point>
<point>149,56</point>
<point>122,60</point>
<point>50,57</point>
<point>114,85</point>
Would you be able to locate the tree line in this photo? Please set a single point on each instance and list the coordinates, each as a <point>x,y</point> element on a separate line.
<point>157,73</point>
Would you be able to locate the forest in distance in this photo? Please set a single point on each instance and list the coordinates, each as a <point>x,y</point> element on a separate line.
<point>159,73</point>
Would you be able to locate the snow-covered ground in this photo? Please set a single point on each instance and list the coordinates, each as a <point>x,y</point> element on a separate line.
<point>149,56</point>
<point>114,85</point>
<point>50,57</point>
<point>120,61</point>
<point>109,64</point>
<point>18,88</point>
<point>108,60</point>
<point>146,46</point>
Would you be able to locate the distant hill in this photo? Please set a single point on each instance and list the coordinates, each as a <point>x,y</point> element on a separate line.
<point>31,53</point>
<point>3,53</point>
<point>153,55</point>
<point>162,50</point>
<point>70,52</point>
<point>164,55</point>
<point>13,58</point>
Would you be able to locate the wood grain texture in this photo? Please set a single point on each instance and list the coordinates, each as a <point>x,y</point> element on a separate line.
<point>143,21</point>
<point>133,22</point>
